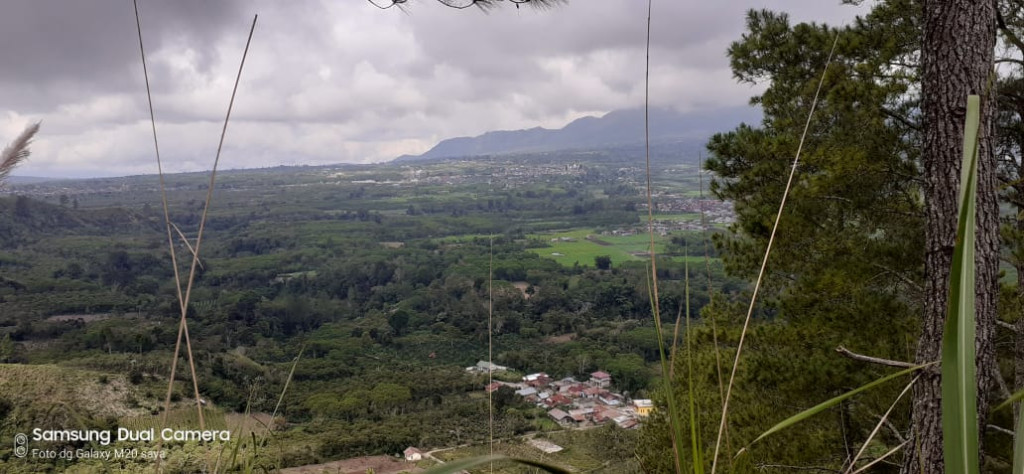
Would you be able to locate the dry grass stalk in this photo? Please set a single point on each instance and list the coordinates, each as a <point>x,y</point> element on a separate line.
<point>183,299</point>
<point>17,151</point>
<point>878,427</point>
<point>182,303</point>
<point>764,261</point>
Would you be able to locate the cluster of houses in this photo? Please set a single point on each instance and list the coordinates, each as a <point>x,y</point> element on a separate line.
<point>573,403</point>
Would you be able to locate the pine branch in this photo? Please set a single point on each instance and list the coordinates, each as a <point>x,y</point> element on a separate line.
<point>17,151</point>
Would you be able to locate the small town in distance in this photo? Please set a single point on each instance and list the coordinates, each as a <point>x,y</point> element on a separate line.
<point>571,402</point>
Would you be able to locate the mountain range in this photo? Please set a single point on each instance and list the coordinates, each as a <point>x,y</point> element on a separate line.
<point>617,128</point>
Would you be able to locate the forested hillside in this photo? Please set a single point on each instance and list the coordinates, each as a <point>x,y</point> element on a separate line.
<point>381,276</point>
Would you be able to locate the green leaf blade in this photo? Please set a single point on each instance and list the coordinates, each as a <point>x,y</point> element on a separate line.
<point>959,382</point>
<point>1018,446</point>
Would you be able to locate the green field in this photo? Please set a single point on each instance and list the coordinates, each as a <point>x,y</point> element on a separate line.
<point>587,244</point>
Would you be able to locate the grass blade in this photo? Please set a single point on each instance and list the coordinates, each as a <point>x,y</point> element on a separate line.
<point>1018,446</point>
<point>674,417</point>
<point>722,426</point>
<point>469,463</point>
<point>1009,401</point>
<point>287,382</point>
<point>959,386</point>
<point>882,457</point>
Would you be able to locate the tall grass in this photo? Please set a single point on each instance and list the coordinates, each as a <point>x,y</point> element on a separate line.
<point>675,417</point>
<point>17,151</point>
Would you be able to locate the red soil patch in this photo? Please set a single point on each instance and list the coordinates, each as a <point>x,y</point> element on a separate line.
<point>379,464</point>
<point>88,318</point>
<point>560,339</point>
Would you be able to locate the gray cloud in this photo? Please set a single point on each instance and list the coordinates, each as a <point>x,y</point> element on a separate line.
<point>70,50</point>
<point>330,81</point>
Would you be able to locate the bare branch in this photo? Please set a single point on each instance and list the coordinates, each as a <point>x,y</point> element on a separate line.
<point>1010,35</point>
<point>901,119</point>
<point>1010,60</point>
<point>1006,325</point>
<point>999,429</point>
<point>894,431</point>
<point>874,360</point>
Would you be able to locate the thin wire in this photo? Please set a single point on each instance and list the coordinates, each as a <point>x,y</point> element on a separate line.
<point>767,252</point>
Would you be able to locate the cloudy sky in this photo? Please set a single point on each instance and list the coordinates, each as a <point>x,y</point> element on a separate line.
<point>341,81</point>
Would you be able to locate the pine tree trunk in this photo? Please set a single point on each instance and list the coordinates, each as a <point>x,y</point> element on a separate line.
<point>956,57</point>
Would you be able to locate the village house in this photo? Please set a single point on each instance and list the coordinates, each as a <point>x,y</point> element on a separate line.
<point>643,407</point>
<point>412,454</point>
<point>610,399</point>
<point>580,415</point>
<point>601,379</point>
<point>575,390</point>
<point>538,380</point>
<point>527,392</point>
<point>557,400</point>
<point>561,417</point>
<point>592,392</point>
<point>492,387</point>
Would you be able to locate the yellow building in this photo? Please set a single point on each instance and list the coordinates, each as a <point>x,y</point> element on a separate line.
<point>643,407</point>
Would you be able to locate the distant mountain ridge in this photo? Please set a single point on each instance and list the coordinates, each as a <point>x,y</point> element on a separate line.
<point>616,128</point>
